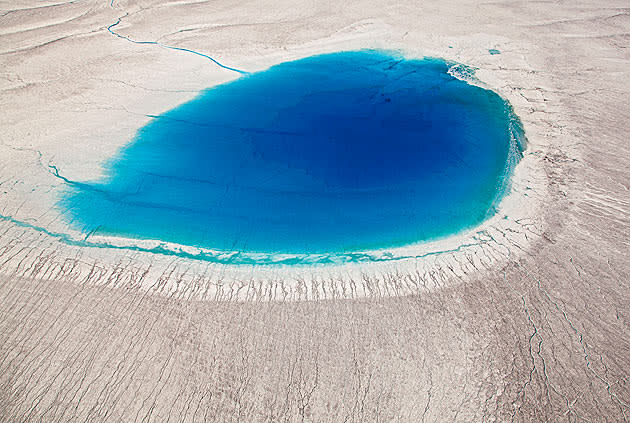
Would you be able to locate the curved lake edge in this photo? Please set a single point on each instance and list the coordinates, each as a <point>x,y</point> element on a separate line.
<point>387,254</point>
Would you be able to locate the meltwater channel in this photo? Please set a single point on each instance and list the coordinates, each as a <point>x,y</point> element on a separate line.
<point>330,154</point>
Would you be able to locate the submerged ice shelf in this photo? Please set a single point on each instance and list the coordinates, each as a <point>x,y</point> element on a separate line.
<point>330,154</point>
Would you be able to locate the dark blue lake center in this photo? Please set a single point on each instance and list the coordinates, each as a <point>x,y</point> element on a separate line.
<point>333,153</point>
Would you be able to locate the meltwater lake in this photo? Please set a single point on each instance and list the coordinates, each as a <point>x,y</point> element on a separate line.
<point>335,153</point>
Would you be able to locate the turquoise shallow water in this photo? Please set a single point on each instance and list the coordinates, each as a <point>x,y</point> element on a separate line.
<point>329,154</point>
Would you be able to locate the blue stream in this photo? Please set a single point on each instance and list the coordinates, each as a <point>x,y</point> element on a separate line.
<point>330,154</point>
<point>155,43</point>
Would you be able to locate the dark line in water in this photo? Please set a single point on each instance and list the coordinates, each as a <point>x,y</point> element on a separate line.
<point>239,256</point>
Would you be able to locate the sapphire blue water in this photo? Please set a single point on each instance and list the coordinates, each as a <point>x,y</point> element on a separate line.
<point>329,154</point>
